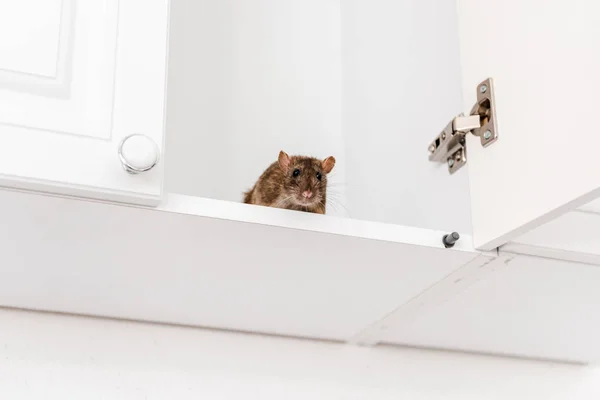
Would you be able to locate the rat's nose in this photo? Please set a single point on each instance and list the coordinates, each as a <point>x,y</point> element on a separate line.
<point>307,194</point>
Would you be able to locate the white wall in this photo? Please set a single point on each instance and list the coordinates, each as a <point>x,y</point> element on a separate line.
<point>45,356</point>
<point>368,81</point>
<point>401,86</point>
<point>246,80</point>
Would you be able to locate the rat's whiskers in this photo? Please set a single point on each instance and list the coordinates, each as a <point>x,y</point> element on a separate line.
<point>334,199</point>
<point>282,201</point>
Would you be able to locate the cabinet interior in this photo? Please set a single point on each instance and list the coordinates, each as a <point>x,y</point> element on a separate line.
<point>370,85</point>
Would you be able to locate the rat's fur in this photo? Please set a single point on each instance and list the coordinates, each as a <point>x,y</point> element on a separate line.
<point>277,187</point>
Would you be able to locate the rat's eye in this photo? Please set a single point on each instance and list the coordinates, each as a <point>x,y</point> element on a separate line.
<point>296,172</point>
<point>319,176</point>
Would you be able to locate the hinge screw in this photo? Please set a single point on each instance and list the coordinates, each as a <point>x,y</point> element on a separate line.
<point>483,88</point>
<point>450,162</point>
<point>431,148</point>
<point>487,135</point>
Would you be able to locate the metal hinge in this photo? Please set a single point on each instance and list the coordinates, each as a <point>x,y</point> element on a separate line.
<point>450,145</point>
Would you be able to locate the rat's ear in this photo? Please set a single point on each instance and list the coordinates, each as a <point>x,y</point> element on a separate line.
<point>284,161</point>
<point>328,164</point>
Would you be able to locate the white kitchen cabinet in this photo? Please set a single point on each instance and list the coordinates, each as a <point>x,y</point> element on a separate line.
<point>80,78</point>
<point>76,78</point>
<point>215,264</point>
<point>401,82</point>
<point>371,82</point>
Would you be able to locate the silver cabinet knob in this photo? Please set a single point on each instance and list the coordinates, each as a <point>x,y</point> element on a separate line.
<point>138,153</point>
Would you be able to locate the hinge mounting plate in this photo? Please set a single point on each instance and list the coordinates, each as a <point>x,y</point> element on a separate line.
<point>450,145</point>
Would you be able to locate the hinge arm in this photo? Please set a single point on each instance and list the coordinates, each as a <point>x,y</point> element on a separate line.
<point>450,145</point>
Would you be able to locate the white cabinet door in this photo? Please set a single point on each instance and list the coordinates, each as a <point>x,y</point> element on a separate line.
<point>76,78</point>
<point>544,60</point>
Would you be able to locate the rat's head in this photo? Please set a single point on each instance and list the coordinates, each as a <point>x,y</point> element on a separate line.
<point>305,178</point>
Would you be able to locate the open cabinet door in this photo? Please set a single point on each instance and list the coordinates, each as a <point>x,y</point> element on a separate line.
<point>544,59</point>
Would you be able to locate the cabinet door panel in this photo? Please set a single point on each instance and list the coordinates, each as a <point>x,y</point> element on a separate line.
<point>76,77</point>
<point>544,63</point>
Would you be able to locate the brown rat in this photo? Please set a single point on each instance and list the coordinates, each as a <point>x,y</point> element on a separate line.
<point>295,183</point>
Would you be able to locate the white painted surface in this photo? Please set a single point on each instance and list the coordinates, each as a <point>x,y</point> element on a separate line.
<point>370,82</point>
<point>246,80</point>
<point>59,357</point>
<point>215,263</point>
<point>531,306</point>
<point>574,236</point>
<point>191,260</point>
<point>30,36</point>
<point>447,288</point>
<point>401,87</point>
<point>593,207</point>
<point>87,74</point>
<point>544,62</point>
